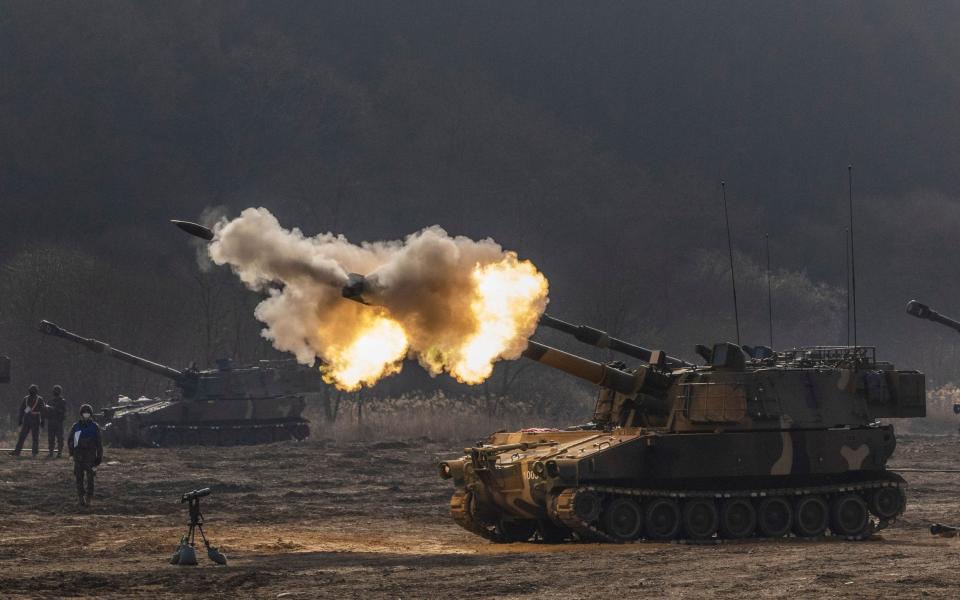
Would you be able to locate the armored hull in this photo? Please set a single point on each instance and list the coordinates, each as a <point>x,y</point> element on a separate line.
<point>750,445</point>
<point>219,422</point>
<point>635,483</point>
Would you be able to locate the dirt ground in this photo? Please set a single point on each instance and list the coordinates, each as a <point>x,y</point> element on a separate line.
<point>353,520</point>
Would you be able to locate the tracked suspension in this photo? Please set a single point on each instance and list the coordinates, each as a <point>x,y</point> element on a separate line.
<point>850,511</point>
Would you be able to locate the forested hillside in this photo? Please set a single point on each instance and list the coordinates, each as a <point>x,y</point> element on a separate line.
<point>590,137</point>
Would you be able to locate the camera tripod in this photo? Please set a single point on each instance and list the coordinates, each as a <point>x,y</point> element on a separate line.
<point>185,554</point>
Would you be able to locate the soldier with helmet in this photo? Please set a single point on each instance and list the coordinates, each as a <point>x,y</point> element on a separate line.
<point>86,448</point>
<point>30,419</point>
<point>56,413</point>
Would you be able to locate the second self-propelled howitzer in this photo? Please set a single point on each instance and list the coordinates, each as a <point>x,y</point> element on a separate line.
<point>758,444</point>
<point>224,406</point>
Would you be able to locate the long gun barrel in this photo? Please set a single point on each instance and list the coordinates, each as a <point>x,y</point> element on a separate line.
<point>594,372</point>
<point>601,339</point>
<point>102,348</point>
<point>922,311</point>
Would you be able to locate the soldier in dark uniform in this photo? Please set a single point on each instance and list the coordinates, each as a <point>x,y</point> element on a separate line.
<point>86,448</point>
<point>31,419</point>
<point>56,413</point>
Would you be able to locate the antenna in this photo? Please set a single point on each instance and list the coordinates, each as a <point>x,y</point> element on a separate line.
<point>733,280</point>
<point>769,293</point>
<point>846,242</point>
<point>853,256</point>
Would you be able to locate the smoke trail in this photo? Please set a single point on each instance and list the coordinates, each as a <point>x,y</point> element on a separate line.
<point>456,304</point>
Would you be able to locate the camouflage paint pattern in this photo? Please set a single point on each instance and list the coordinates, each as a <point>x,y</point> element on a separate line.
<point>804,420</point>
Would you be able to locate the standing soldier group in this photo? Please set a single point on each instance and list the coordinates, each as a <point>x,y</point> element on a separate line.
<point>84,441</point>
<point>35,413</point>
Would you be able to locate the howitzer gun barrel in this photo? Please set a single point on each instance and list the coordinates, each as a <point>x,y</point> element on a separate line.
<point>594,372</point>
<point>601,339</point>
<point>99,347</point>
<point>922,311</point>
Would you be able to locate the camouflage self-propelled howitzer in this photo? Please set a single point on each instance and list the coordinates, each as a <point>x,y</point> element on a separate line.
<point>222,407</point>
<point>752,444</point>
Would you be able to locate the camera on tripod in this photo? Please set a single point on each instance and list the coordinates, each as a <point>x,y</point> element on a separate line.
<point>186,554</point>
<point>194,494</point>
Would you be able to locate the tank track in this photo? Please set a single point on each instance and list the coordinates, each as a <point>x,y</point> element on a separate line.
<point>460,510</point>
<point>562,508</point>
<point>166,436</point>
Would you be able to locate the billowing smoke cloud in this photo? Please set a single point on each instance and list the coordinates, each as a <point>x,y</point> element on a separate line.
<point>456,304</point>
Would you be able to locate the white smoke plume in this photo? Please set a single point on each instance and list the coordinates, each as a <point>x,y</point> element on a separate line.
<point>455,304</point>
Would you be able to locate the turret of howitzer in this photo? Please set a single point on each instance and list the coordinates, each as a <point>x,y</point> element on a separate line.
<point>922,311</point>
<point>185,380</point>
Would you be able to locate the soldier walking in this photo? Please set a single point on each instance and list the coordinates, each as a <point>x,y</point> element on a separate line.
<point>56,413</point>
<point>86,448</point>
<point>31,420</point>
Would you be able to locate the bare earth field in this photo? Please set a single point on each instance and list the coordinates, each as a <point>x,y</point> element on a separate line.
<point>342,520</point>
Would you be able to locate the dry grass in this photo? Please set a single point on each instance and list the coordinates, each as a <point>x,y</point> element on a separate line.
<point>940,416</point>
<point>435,417</point>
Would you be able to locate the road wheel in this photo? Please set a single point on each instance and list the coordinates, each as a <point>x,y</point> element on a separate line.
<point>623,519</point>
<point>264,435</point>
<point>887,502</point>
<point>156,438</point>
<point>849,516</point>
<point>810,516</point>
<point>662,519</point>
<point>700,518</point>
<point>247,436</point>
<point>301,432</point>
<point>171,439</point>
<point>190,437</point>
<point>774,517</point>
<point>586,505</point>
<point>209,437</point>
<point>738,518</point>
<point>229,436</point>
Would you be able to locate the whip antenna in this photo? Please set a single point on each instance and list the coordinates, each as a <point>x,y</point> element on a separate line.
<point>769,293</point>
<point>733,280</point>
<point>846,247</point>
<point>853,256</point>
